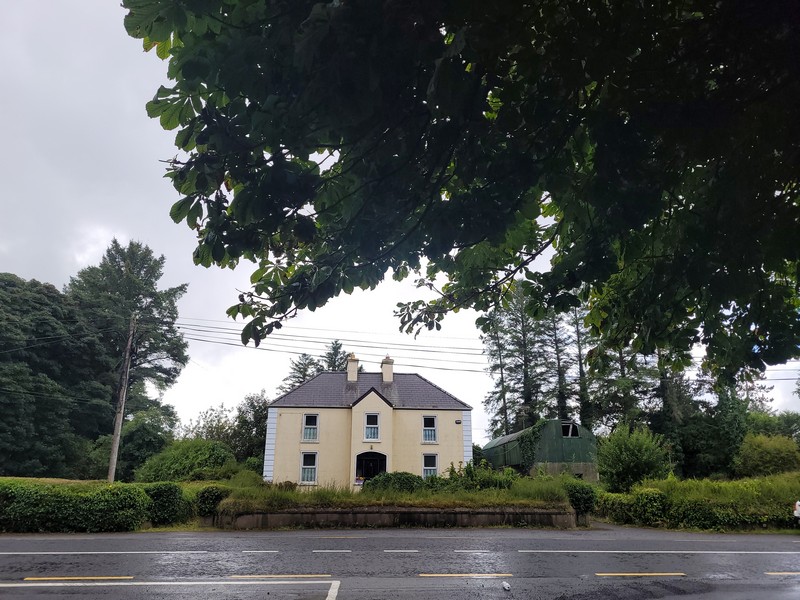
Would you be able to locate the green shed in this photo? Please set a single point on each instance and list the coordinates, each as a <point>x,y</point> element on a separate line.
<point>552,446</point>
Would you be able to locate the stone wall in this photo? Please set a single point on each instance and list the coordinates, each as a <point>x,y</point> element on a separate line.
<point>399,517</point>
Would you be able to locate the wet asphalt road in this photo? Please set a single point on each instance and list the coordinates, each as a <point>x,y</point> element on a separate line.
<point>604,562</point>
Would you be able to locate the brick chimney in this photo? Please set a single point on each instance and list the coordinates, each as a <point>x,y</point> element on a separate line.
<point>387,370</point>
<point>352,368</point>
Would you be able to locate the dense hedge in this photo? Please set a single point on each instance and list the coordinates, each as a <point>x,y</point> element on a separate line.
<point>169,504</point>
<point>582,496</point>
<point>35,507</point>
<point>653,508</point>
<point>209,497</point>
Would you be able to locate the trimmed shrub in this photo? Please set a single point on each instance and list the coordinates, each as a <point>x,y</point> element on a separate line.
<point>615,507</point>
<point>33,507</point>
<point>168,503</point>
<point>627,457</point>
<point>209,497</point>
<point>398,481</point>
<point>649,507</point>
<point>116,508</point>
<point>185,460</point>
<point>766,455</point>
<point>582,496</point>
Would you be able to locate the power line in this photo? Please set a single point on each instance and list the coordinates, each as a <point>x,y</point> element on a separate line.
<point>295,343</point>
<point>323,329</point>
<point>284,351</point>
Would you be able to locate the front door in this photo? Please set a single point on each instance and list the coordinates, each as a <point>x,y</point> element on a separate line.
<point>369,464</point>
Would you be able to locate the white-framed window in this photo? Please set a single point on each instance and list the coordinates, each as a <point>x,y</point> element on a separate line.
<point>372,426</point>
<point>430,465</point>
<point>310,428</point>
<point>429,433</point>
<point>308,467</point>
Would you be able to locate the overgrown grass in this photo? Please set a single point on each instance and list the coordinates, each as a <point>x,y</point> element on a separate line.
<point>746,494</point>
<point>528,493</point>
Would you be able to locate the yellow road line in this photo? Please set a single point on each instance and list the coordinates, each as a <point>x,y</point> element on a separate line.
<point>465,575</point>
<point>641,574</point>
<point>102,578</point>
<point>782,573</point>
<point>305,576</point>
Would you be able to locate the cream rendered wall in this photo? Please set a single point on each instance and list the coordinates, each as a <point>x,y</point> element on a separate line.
<point>409,447</point>
<point>371,403</point>
<point>333,452</point>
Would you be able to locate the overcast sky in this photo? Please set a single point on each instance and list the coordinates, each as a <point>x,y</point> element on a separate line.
<point>80,161</point>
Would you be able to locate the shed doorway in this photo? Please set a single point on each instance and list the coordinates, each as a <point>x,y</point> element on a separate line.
<point>369,464</point>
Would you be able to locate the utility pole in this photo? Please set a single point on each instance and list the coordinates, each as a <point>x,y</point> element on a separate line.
<point>122,394</point>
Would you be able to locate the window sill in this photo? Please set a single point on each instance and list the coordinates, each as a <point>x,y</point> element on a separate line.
<point>308,483</point>
<point>309,441</point>
<point>430,443</point>
<point>372,441</point>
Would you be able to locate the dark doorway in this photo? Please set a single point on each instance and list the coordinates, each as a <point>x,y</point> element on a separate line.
<point>369,464</point>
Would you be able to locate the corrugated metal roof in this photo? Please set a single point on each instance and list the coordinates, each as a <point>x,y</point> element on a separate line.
<point>331,390</point>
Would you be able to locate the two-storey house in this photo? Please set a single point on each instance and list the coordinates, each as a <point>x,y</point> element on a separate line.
<point>342,428</point>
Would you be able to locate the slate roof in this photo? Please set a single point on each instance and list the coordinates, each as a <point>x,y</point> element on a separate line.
<point>331,390</point>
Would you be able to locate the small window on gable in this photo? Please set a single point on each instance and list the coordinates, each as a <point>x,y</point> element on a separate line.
<point>429,434</point>
<point>310,428</point>
<point>569,429</point>
<point>430,465</point>
<point>372,426</point>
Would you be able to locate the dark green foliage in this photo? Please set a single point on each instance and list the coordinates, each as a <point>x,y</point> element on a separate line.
<point>126,282</point>
<point>254,463</point>
<point>658,140</point>
<point>35,507</point>
<point>398,481</point>
<point>334,358</point>
<point>582,495</point>
<point>649,507</point>
<point>527,445</point>
<point>705,504</point>
<point>616,507</point>
<point>475,477</point>
<point>59,369</point>
<point>784,423</point>
<point>243,432</point>
<point>56,381</point>
<point>766,455</point>
<point>209,497</point>
<point>477,455</point>
<point>187,460</point>
<point>168,504</point>
<point>301,369</point>
<point>627,457</point>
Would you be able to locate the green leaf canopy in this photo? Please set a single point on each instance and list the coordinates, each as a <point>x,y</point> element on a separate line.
<point>650,148</point>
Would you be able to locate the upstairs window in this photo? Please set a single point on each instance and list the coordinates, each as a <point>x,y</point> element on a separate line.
<point>372,429</point>
<point>310,428</point>
<point>569,429</point>
<point>429,430</point>
<point>430,465</point>
<point>308,470</point>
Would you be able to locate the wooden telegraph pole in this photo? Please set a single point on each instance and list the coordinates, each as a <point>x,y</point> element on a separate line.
<point>122,394</point>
